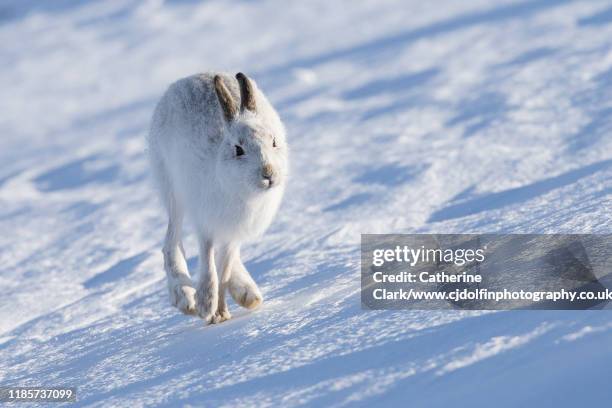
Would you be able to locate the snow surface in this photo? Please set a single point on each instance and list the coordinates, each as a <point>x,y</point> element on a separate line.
<point>443,116</point>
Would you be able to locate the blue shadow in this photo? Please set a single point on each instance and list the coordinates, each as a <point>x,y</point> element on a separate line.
<point>397,84</point>
<point>390,175</point>
<point>81,209</point>
<point>516,195</point>
<point>22,8</point>
<point>393,42</point>
<point>398,106</point>
<point>115,272</point>
<point>530,56</point>
<point>480,113</point>
<point>74,175</point>
<point>600,124</point>
<point>599,18</point>
<point>351,201</point>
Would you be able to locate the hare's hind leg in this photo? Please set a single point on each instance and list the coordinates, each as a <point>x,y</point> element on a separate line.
<point>180,287</point>
<point>241,285</point>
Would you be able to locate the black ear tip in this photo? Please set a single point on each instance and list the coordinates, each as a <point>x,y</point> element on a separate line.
<point>247,97</point>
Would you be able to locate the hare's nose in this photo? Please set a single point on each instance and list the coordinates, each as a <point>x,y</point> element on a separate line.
<point>267,173</point>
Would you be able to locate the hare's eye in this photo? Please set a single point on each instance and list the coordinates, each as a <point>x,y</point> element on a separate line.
<point>239,151</point>
<point>273,142</point>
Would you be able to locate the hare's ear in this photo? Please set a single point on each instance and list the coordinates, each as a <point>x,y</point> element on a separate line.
<point>225,99</point>
<point>247,96</point>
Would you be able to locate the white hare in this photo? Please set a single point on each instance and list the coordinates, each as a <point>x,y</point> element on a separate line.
<point>219,156</point>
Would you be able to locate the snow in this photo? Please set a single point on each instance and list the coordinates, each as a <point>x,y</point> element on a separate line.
<point>402,117</point>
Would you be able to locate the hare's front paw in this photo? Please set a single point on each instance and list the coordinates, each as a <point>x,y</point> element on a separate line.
<point>246,294</point>
<point>182,297</point>
<point>206,305</point>
<point>222,315</point>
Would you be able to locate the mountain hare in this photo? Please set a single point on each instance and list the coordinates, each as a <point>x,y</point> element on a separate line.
<point>219,155</point>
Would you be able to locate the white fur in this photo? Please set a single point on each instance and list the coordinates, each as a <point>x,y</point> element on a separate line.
<point>193,156</point>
